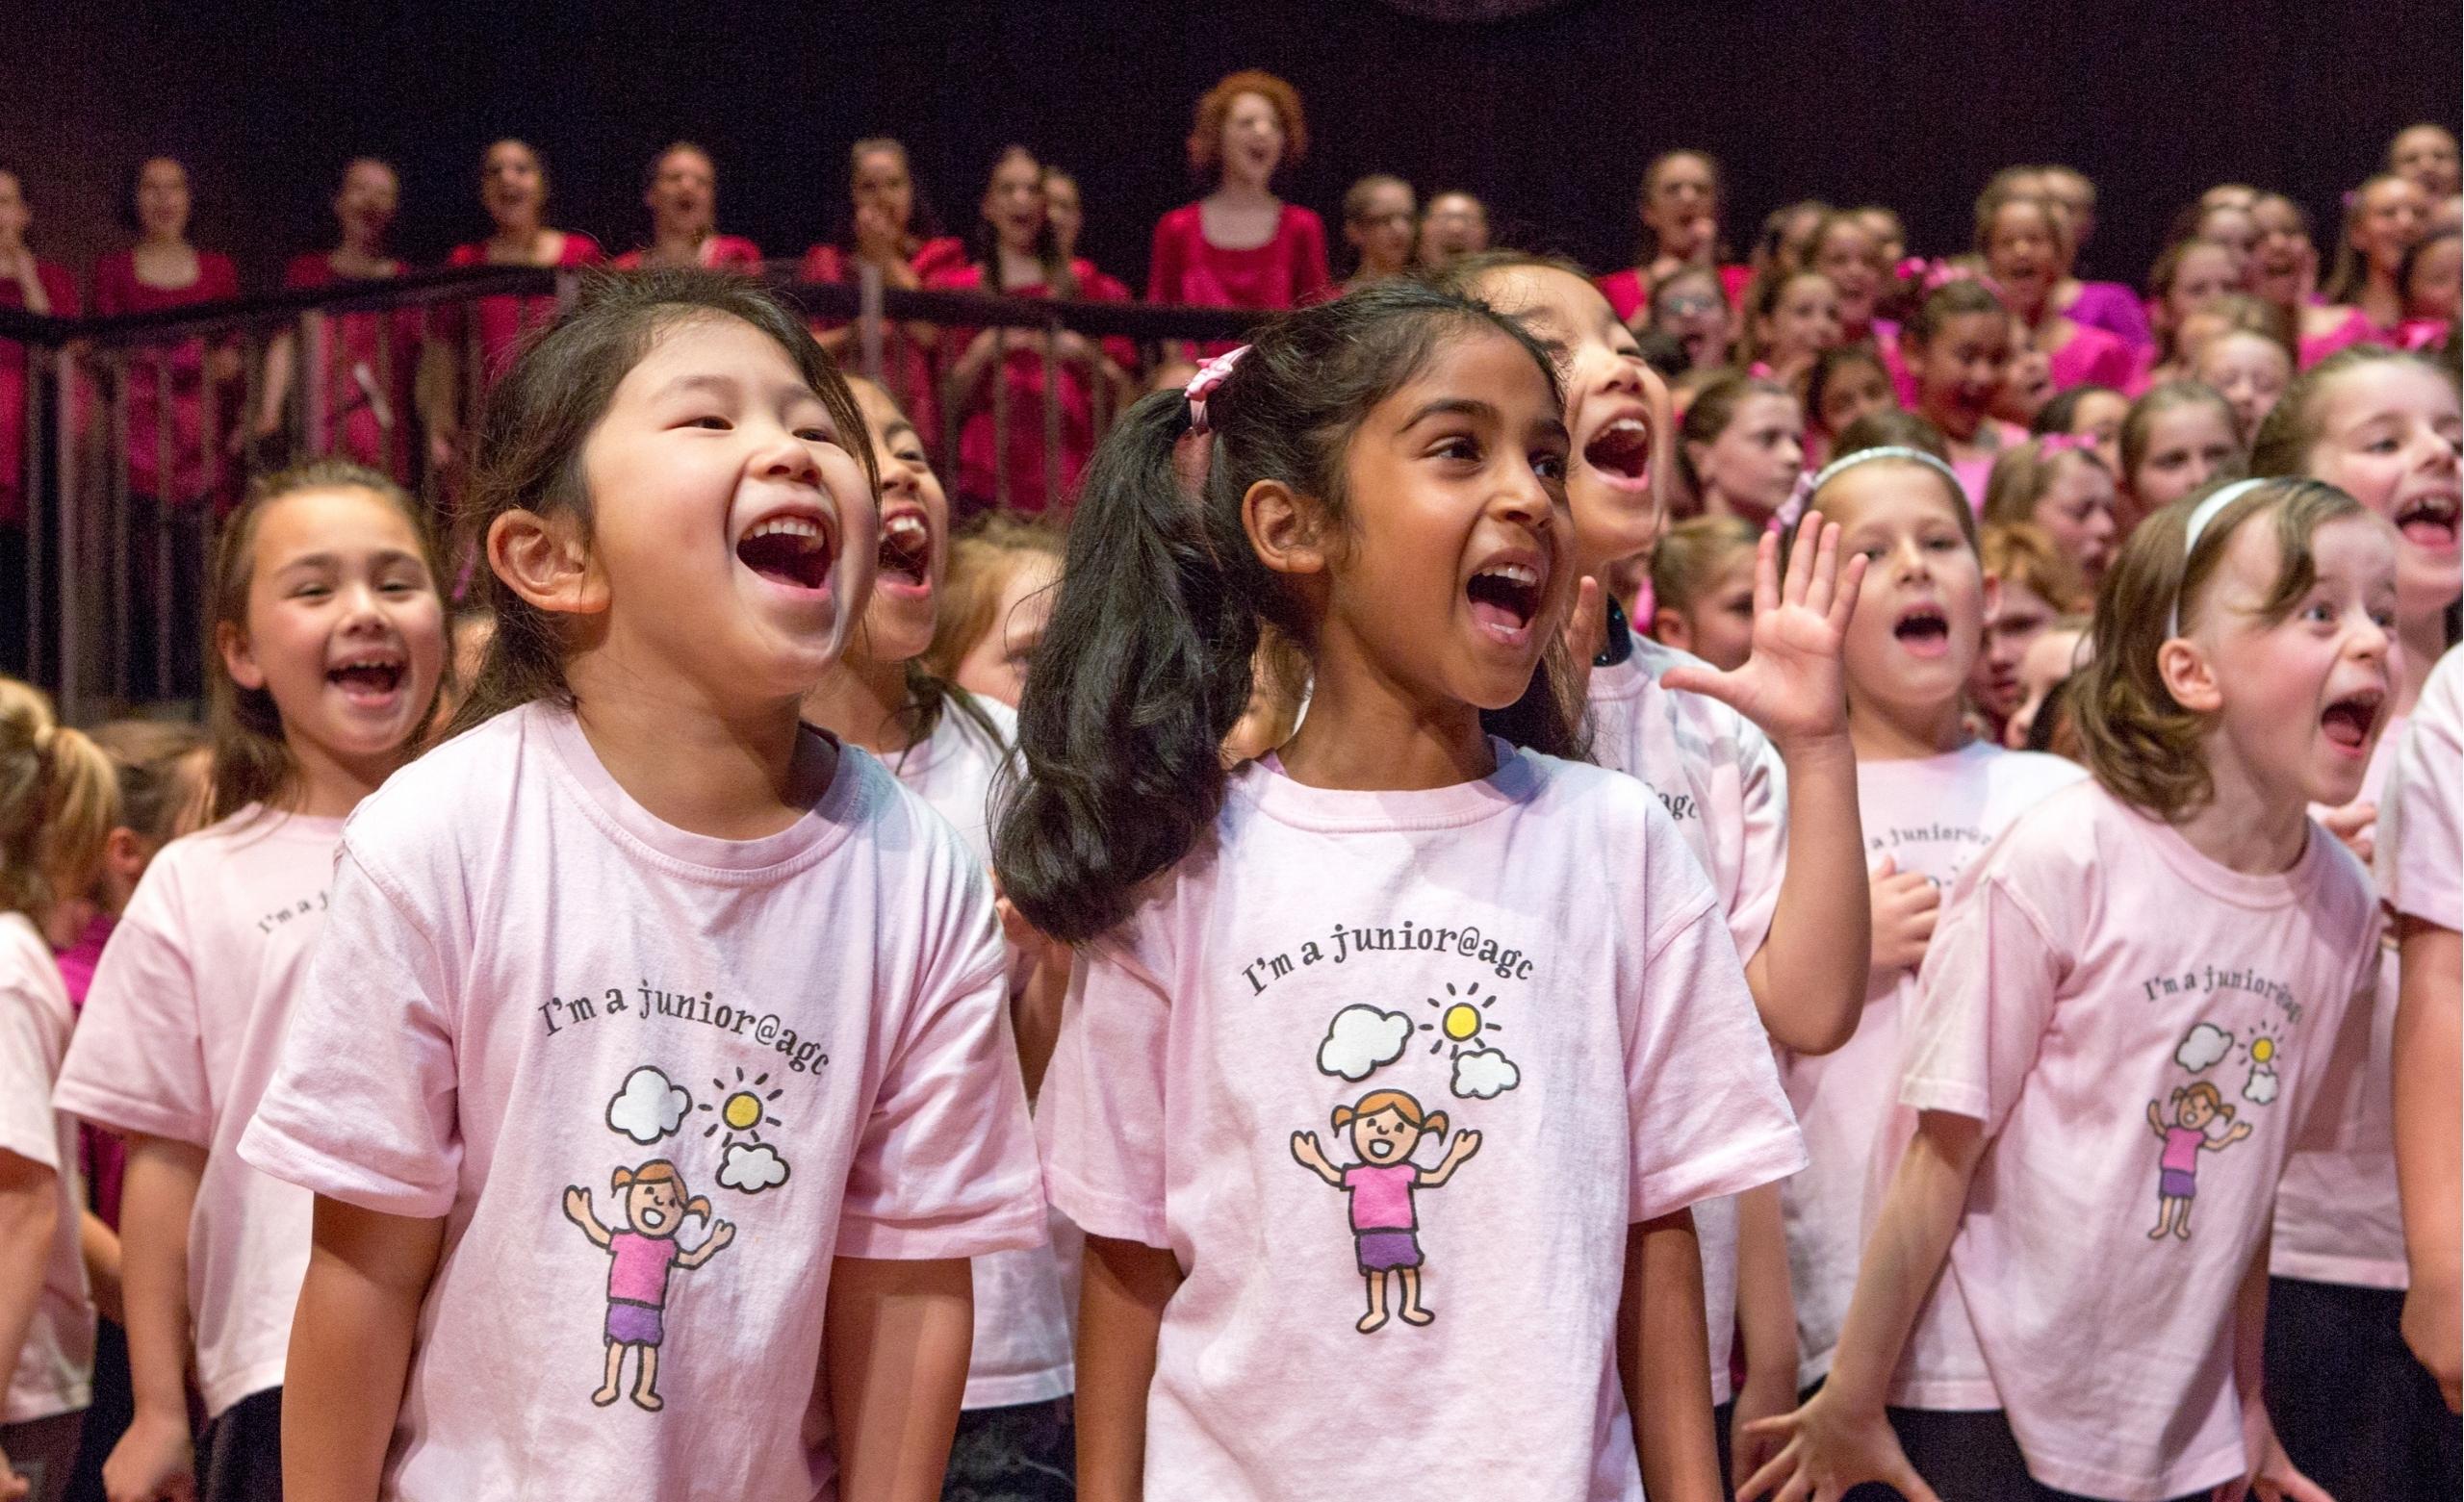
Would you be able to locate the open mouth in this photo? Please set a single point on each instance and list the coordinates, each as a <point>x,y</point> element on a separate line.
<point>906,559</point>
<point>1505,597</point>
<point>1381,1148</point>
<point>1923,630</point>
<point>1622,453</point>
<point>369,678</point>
<point>792,551</point>
<point>2348,721</point>
<point>2428,520</point>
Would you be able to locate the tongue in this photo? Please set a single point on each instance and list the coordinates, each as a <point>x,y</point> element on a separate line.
<point>2345,726</point>
<point>1496,616</point>
<point>2428,532</point>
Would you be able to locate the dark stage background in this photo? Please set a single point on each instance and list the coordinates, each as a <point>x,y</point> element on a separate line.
<point>1550,117</point>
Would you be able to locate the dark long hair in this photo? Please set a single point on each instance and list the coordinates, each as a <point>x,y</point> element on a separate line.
<point>1060,282</point>
<point>1145,666</point>
<point>529,451</point>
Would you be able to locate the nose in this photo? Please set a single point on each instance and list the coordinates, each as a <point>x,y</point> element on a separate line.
<point>1521,498</point>
<point>783,456</point>
<point>900,479</point>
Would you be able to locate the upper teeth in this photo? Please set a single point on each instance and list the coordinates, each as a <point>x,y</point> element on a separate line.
<point>905,528</point>
<point>1518,573</point>
<point>788,527</point>
<point>366,662</point>
<point>1628,425</point>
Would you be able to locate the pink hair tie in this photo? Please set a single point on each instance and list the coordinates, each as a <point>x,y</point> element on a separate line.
<point>1912,267</point>
<point>1203,384</point>
<point>1760,371</point>
<point>1793,509</point>
<point>2051,443</point>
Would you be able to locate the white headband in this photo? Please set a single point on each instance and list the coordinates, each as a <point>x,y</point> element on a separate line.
<point>2199,518</point>
<point>1887,452</point>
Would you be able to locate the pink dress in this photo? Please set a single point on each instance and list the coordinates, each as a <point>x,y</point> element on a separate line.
<point>501,321</point>
<point>1190,272</point>
<point>2094,357</point>
<point>2114,308</point>
<point>2356,329</point>
<point>719,250</point>
<point>907,367</point>
<point>62,289</point>
<point>370,360</point>
<point>982,462</point>
<point>168,423</point>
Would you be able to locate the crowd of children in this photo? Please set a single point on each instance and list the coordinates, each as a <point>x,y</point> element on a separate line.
<point>1865,857</point>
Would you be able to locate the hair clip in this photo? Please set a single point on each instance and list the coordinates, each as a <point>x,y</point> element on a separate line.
<point>1203,384</point>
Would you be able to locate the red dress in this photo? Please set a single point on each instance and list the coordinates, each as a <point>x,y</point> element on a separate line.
<point>501,321</point>
<point>62,289</point>
<point>1284,272</point>
<point>907,367</point>
<point>719,250</point>
<point>981,461</point>
<point>168,423</point>
<point>370,360</point>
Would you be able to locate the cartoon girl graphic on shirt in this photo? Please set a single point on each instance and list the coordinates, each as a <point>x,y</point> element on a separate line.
<point>655,1206</point>
<point>1386,1129</point>
<point>2195,1107</point>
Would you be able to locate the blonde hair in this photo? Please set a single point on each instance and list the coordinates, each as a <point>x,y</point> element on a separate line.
<point>2023,556</point>
<point>2140,744</point>
<point>1694,552</point>
<point>659,1170</point>
<point>982,563</point>
<point>1400,1103</point>
<point>59,804</point>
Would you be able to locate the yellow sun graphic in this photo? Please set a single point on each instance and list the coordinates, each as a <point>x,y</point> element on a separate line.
<point>2261,1050</point>
<point>1461,1019</point>
<point>743,1111</point>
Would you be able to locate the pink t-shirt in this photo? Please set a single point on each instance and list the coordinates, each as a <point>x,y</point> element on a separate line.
<point>55,1366</point>
<point>528,983</point>
<point>2421,814</point>
<point>2094,978</point>
<point>2093,356</point>
<point>1381,1198</point>
<point>1931,816</point>
<point>2338,1217</point>
<point>1720,779</point>
<point>637,1267</point>
<point>1022,1328</point>
<point>1533,958</point>
<point>217,937</point>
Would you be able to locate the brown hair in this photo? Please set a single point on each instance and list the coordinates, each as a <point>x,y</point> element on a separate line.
<point>150,758</point>
<point>1709,416</point>
<point>253,761</point>
<point>659,1170</point>
<point>1650,250</point>
<point>1693,553</point>
<point>1215,107</point>
<point>982,562</point>
<point>2001,195</point>
<point>1358,196</point>
<point>1402,1105</point>
<point>2351,275</point>
<point>1892,428</point>
<point>2023,556</point>
<point>2141,419</point>
<point>1761,301</point>
<point>1957,299</point>
<point>59,804</point>
<point>2242,314</point>
<point>2202,1089</point>
<point>2024,472</point>
<point>2137,740</point>
<point>528,456</point>
<point>2291,428</point>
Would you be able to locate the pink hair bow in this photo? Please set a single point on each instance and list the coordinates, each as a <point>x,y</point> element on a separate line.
<point>1910,269</point>
<point>1203,384</point>
<point>1793,509</point>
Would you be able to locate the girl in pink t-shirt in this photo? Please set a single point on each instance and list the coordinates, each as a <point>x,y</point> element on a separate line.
<point>325,604</point>
<point>1384,896</point>
<point>58,800</point>
<point>631,904</point>
<point>362,366</point>
<point>1846,251</point>
<point>2060,486</point>
<point>2177,438</point>
<point>1956,352</point>
<point>2178,926</point>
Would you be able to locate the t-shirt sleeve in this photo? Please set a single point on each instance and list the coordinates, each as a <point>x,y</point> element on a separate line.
<point>363,1104</point>
<point>1762,842</point>
<point>946,1166</point>
<point>1703,1096</point>
<point>27,1126</point>
<point>137,1063</point>
<point>1101,1112</point>
<point>1982,1000</point>
<point>2332,1118</point>
<point>2422,819</point>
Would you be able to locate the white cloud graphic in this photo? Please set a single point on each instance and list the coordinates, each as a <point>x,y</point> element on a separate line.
<point>1480,1074</point>
<point>1360,1038</point>
<point>648,1107</point>
<point>2261,1085</point>
<point>751,1167</point>
<point>2202,1047</point>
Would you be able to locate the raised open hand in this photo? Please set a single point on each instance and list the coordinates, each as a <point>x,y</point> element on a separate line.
<point>1793,686</point>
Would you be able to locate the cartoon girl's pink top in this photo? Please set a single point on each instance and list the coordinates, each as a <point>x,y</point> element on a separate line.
<point>167,385</point>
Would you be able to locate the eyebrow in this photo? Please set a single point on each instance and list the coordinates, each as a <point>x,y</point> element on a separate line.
<point>381,558</point>
<point>1451,407</point>
<point>706,381</point>
<point>902,425</point>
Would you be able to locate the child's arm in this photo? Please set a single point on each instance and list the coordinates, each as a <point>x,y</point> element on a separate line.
<point>98,1248</point>
<point>1306,1151</point>
<point>1841,1435</point>
<point>2156,1118</point>
<point>721,1234</point>
<point>1123,1289</point>
<point>350,1348</point>
<point>2430,1126</point>
<point>1766,1310</point>
<point>577,1211</point>
<point>895,1339</point>
<point>2269,1472</point>
<point>157,1197</point>
<point>1809,976</point>
<point>1457,1154</point>
<point>1663,1355</point>
<point>29,1219</point>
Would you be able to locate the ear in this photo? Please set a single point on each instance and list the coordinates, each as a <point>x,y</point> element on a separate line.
<point>544,560</point>
<point>124,855</point>
<point>1669,628</point>
<point>239,658</point>
<point>1286,529</point>
<point>2182,665</point>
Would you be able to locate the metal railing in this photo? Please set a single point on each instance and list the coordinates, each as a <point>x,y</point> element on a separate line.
<point>142,429</point>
